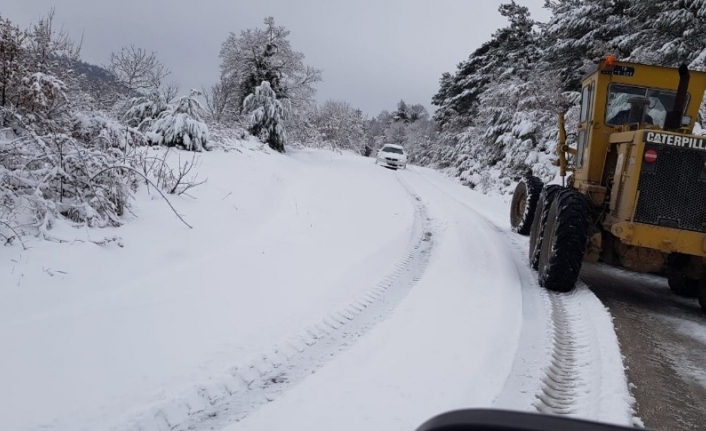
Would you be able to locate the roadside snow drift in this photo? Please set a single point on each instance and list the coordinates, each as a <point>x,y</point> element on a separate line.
<point>89,333</point>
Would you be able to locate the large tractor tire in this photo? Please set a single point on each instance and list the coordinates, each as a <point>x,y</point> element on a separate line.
<point>564,241</point>
<point>540,221</point>
<point>524,203</point>
<point>682,286</point>
<point>679,281</point>
<point>702,297</point>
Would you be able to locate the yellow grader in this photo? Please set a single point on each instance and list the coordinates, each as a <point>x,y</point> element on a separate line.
<point>635,195</point>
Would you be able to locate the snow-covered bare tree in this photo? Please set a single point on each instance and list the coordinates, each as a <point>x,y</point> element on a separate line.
<point>341,125</point>
<point>137,69</point>
<point>169,90</point>
<point>220,101</point>
<point>46,47</point>
<point>266,116</point>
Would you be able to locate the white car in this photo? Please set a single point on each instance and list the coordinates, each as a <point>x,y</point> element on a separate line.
<point>392,156</point>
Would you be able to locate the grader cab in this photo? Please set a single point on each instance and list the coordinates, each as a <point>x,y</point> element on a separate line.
<point>635,194</point>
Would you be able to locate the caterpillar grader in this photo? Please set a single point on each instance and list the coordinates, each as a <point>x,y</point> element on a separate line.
<point>635,194</point>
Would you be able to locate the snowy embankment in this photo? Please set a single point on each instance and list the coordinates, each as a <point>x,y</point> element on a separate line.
<point>315,288</point>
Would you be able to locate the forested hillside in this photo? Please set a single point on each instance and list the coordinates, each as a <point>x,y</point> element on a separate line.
<point>73,136</point>
<point>497,113</point>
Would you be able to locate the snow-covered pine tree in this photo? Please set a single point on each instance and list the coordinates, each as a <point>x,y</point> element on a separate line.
<point>257,55</point>
<point>667,32</point>
<point>580,32</point>
<point>182,125</point>
<point>402,113</point>
<point>498,111</point>
<point>509,123</point>
<point>266,115</point>
<point>457,98</point>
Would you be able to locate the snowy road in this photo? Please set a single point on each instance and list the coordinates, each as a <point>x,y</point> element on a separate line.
<point>663,342</point>
<point>317,289</point>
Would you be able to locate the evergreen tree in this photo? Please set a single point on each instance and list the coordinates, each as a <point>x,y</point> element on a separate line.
<point>667,32</point>
<point>458,97</point>
<point>267,115</point>
<point>510,47</point>
<point>579,33</point>
<point>402,113</point>
<point>258,55</point>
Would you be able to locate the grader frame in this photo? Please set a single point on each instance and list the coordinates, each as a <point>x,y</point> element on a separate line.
<point>633,187</point>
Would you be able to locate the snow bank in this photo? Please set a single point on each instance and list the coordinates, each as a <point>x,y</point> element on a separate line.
<point>95,335</point>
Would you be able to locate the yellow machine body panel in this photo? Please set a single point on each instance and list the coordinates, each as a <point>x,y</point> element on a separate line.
<point>655,179</point>
<point>625,199</point>
<point>593,150</point>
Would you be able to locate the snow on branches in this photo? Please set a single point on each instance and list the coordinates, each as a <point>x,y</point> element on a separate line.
<point>181,125</point>
<point>266,116</point>
<point>64,159</point>
<point>144,110</point>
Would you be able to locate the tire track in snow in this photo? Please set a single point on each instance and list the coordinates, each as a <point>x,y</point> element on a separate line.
<point>579,370</point>
<point>242,389</point>
<point>586,376</point>
<point>565,383</point>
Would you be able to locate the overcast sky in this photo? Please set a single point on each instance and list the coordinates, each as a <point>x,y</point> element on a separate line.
<point>372,52</point>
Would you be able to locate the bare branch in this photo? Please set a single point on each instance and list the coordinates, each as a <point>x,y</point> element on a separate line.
<point>137,69</point>
<point>219,99</point>
<point>169,91</point>
<point>102,171</point>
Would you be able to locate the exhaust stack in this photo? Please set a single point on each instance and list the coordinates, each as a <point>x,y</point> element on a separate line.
<point>674,117</point>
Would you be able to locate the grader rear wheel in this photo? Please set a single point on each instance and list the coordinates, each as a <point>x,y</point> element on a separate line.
<point>681,285</point>
<point>683,275</point>
<point>524,203</point>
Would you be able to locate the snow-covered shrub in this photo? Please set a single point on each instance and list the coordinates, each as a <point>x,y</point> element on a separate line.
<point>266,116</point>
<point>182,125</point>
<point>42,178</point>
<point>60,157</point>
<point>92,126</point>
<point>144,110</point>
<point>224,138</point>
<point>174,180</point>
<point>42,101</point>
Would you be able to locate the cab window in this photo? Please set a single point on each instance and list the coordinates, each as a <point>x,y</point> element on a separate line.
<point>586,117</point>
<point>657,103</point>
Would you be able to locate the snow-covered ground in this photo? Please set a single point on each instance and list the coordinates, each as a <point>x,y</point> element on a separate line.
<point>315,289</point>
